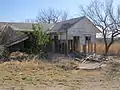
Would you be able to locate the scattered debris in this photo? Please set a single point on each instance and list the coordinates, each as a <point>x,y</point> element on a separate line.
<point>74,60</point>
<point>18,56</point>
<point>77,55</point>
<point>94,57</point>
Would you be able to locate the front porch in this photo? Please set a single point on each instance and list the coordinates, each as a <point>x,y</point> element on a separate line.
<point>75,44</point>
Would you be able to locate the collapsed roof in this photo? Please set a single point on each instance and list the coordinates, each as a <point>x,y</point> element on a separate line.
<point>13,33</point>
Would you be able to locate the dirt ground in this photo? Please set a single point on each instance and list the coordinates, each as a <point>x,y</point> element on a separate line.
<point>39,75</point>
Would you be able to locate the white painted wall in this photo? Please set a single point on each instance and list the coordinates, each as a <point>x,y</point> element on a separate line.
<point>83,28</point>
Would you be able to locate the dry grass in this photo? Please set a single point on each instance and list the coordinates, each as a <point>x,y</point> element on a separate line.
<point>41,73</point>
<point>115,48</point>
<point>28,72</point>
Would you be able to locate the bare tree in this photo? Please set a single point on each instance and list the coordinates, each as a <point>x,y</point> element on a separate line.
<point>64,15</point>
<point>105,16</point>
<point>51,15</point>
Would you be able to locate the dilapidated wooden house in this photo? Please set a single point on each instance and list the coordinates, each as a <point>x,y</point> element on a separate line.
<point>13,34</point>
<point>78,34</point>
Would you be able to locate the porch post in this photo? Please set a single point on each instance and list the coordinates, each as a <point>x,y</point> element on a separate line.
<point>53,46</point>
<point>88,46</point>
<point>91,47</point>
<point>79,47</point>
<point>66,43</point>
<point>84,48</point>
<point>94,47</point>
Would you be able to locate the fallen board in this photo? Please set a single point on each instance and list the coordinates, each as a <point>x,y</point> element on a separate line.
<point>90,66</point>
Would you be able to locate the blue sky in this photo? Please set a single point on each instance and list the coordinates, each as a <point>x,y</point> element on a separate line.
<point>20,10</point>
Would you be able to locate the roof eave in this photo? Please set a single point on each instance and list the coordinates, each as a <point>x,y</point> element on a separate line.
<point>16,42</point>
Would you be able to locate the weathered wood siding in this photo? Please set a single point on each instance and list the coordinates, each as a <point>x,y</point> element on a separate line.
<point>83,28</point>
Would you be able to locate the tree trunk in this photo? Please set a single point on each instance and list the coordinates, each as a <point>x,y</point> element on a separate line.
<point>107,47</point>
<point>106,50</point>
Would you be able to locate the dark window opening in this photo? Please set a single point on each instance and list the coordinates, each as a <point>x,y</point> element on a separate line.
<point>88,38</point>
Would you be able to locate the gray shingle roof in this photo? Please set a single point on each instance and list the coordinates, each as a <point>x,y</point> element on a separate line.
<point>59,27</point>
<point>8,36</point>
<point>19,26</point>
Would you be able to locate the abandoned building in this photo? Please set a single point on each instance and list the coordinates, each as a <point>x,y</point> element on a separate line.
<point>77,34</point>
<point>13,35</point>
<point>80,34</point>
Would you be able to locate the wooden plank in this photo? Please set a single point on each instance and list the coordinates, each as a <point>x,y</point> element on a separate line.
<point>16,42</point>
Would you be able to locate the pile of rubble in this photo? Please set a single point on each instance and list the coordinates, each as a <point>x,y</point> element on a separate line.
<point>24,56</point>
<point>93,58</point>
<point>92,62</point>
<point>18,56</point>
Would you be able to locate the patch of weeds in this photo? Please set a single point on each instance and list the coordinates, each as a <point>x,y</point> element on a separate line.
<point>7,78</point>
<point>24,78</point>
